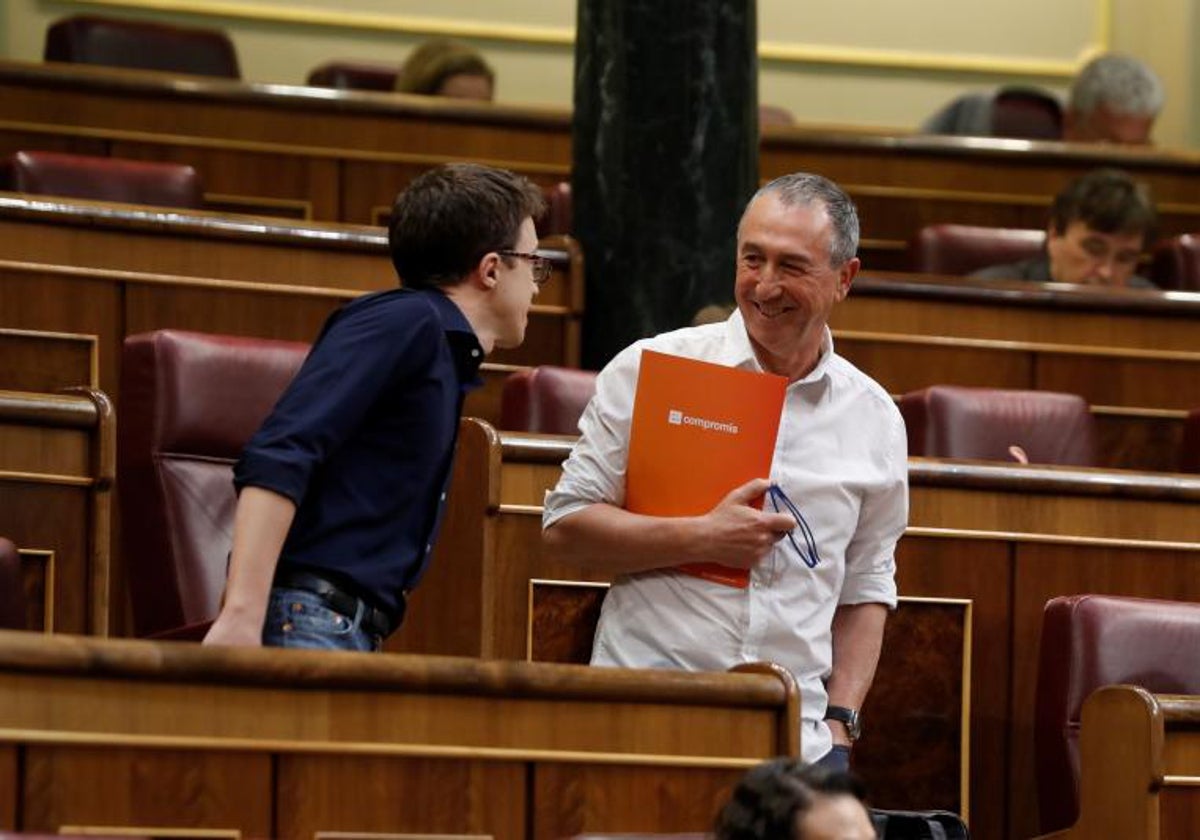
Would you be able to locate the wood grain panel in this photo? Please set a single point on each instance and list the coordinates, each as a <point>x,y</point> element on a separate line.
<point>53,518</point>
<point>904,366</point>
<point>400,796</point>
<point>45,361</point>
<point>1063,316</point>
<point>570,799</point>
<point>136,788</point>
<point>9,777</point>
<point>979,571</point>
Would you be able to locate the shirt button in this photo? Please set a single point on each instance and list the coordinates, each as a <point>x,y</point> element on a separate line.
<point>428,547</point>
<point>443,497</point>
<point>474,354</point>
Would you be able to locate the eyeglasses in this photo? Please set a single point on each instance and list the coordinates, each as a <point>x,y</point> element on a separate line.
<point>809,553</point>
<point>542,267</point>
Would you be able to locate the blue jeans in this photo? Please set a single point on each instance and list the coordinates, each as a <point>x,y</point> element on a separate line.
<point>297,618</point>
<point>837,759</point>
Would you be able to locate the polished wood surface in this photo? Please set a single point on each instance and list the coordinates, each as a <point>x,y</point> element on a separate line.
<point>136,735</point>
<point>57,467</point>
<point>1131,353</point>
<point>342,155</point>
<point>916,748</point>
<point>1003,538</point>
<point>903,183</point>
<point>1140,766</point>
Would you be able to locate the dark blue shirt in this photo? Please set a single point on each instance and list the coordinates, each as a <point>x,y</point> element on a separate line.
<point>363,438</point>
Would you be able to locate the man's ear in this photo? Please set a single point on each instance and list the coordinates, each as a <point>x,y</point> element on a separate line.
<point>485,273</point>
<point>846,277</point>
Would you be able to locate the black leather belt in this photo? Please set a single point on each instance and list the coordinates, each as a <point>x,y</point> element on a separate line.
<point>374,620</point>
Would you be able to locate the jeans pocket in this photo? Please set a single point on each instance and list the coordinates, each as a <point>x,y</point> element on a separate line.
<point>306,616</point>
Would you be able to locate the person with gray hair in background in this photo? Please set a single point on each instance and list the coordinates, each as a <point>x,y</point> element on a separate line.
<point>838,479</point>
<point>1115,98</point>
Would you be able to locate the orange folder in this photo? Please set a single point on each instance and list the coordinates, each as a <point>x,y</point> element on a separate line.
<point>699,430</point>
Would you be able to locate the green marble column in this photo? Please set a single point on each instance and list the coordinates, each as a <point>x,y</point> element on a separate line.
<point>665,158</point>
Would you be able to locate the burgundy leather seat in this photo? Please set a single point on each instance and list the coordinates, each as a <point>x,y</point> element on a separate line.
<point>105,179</point>
<point>1175,263</point>
<point>557,219</point>
<point>547,399</point>
<point>1090,641</point>
<point>92,39</point>
<point>1189,456</point>
<point>949,421</point>
<point>189,403</point>
<point>961,249</point>
<point>13,615</point>
<point>354,75</point>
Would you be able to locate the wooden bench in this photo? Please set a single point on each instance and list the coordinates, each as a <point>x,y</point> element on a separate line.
<point>172,739</point>
<point>57,466</point>
<point>340,156</point>
<point>330,259</point>
<point>1129,354</point>
<point>1139,766</point>
<point>1005,539</point>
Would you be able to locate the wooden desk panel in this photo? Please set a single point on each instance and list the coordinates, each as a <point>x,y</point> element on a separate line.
<point>1004,538</point>
<point>57,466</point>
<point>1045,314</point>
<point>32,360</point>
<point>113,733</point>
<point>340,155</point>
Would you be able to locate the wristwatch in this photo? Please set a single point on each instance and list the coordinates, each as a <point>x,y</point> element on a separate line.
<point>850,717</point>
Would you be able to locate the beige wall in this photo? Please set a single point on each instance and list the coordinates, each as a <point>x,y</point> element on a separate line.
<point>853,62</point>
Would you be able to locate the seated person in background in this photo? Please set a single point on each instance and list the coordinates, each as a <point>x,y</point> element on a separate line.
<point>447,68</point>
<point>1114,99</point>
<point>783,799</point>
<point>1099,226</point>
<point>841,455</point>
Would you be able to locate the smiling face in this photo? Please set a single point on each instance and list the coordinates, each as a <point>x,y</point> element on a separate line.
<point>515,290</point>
<point>785,285</point>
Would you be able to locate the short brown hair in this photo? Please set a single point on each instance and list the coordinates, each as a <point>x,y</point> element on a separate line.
<point>1108,201</point>
<point>435,61</point>
<point>448,218</point>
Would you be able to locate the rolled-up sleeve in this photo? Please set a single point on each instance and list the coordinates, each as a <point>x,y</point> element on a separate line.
<point>883,516</point>
<point>356,359</point>
<point>595,470</point>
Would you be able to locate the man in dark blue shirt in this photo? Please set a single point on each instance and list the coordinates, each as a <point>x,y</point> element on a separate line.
<point>342,489</point>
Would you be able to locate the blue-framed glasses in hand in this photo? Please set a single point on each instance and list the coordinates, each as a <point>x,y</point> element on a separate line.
<point>809,553</point>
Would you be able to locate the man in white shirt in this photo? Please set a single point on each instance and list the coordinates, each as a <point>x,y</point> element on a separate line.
<point>840,457</point>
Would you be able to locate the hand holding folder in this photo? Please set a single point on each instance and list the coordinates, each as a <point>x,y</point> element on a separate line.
<point>701,430</point>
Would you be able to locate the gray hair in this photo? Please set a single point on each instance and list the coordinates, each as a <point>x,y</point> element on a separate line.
<point>1122,82</point>
<point>801,189</point>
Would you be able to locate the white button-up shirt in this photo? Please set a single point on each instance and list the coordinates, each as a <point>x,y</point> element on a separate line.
<point>840,456</point>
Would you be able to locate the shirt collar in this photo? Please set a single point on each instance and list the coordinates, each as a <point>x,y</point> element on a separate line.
<point>465,348</point>
<point>739,352</point>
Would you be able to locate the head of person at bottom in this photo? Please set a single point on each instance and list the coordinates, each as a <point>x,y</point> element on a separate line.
<point>444,67</point>
<point>1099,226</point>
<point>796,246</point>
<point>468,230</point>
<point>784,799</point>
<point>1114,98</point>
